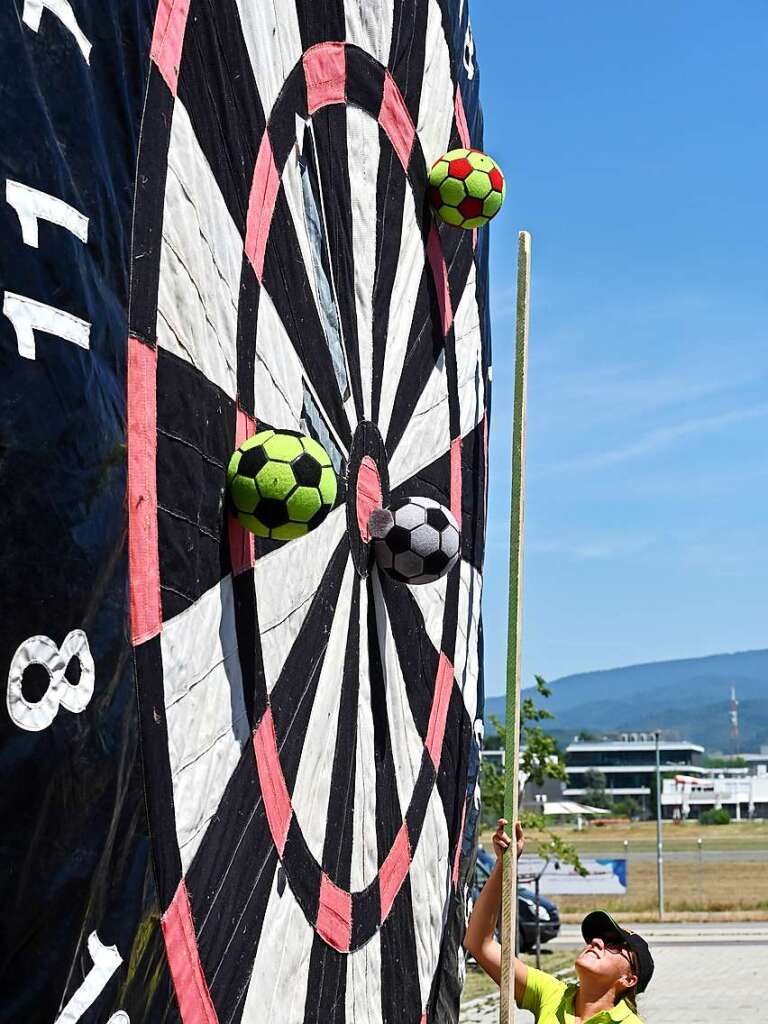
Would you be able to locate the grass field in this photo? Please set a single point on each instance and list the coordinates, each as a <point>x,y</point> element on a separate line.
<point>721,885</point>
<point>716,886</point>
<point>641,836</point>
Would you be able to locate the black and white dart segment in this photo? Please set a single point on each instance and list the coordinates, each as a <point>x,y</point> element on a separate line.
<point>307,722</point>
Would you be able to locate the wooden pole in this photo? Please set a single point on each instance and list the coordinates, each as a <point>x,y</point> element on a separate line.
<point>514,628</point>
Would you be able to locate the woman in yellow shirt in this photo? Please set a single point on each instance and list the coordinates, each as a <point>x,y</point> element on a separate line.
<point>614,966</point>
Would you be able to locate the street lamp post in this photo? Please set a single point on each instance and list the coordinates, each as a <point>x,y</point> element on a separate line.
<point>699,841</point>
<point>659,839</point>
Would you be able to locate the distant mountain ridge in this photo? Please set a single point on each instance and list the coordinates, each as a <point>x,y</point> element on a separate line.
<point>689,696</point>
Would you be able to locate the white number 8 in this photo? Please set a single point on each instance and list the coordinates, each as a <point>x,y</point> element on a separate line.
<point>469,52</point>
<point>41,650</point>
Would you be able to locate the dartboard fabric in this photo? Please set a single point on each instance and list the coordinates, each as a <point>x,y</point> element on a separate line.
<point>303,727</point>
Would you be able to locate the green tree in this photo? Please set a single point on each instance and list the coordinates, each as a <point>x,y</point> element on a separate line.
<point>541,759</point>
<point>551,846</point>
<point>724,762</point>
<point>594,794</point>
<point>629,807</point>
<point>492,787</point>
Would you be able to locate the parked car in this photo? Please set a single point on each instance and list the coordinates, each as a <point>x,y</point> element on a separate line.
<point>527,908</point>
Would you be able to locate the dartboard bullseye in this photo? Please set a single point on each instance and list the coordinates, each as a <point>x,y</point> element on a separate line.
<point>308,720</point>
<point>367,490</point>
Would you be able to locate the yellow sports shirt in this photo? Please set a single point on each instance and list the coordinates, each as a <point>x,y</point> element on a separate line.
<point>551,1002</point>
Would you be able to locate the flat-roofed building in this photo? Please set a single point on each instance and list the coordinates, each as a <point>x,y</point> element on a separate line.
<point>743,795</point>
<point>752,761</point>
<point>628,764</point>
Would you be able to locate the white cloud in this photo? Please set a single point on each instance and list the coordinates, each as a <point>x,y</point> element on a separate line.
<point>655,440</point>
<point>605,547</point>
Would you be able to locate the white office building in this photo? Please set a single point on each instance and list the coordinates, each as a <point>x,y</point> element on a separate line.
<point>742,794</point>
<point>628,765</point>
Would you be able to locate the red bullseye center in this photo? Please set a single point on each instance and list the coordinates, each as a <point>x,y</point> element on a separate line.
<point>368,494</point>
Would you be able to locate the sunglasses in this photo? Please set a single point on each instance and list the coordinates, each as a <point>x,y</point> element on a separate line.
<point>622,950</point>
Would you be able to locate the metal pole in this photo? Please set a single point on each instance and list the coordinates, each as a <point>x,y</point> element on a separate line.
<point>514,629</point>
<point>538,927</point>
<point>659,839</point>
<point>701,874</point>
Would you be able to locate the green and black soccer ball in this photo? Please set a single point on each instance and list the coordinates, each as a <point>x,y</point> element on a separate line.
<point>466,188</point>
<point>281,484</point>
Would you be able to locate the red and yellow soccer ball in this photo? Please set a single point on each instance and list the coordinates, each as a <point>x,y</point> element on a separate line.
<point>466,188</point>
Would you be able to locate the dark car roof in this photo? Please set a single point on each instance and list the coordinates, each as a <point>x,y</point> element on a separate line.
<point>529,894</point>
<point>487,862</point>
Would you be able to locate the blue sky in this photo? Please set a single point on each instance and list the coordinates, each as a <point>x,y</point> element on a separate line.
<point>634,138</point>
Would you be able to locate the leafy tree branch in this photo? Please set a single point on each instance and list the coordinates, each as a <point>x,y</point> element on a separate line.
<point>540,759</point>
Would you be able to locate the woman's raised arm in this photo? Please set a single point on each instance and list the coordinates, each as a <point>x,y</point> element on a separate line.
<point>480,940</point>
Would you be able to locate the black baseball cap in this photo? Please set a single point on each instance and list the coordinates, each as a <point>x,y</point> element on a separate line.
<point>600,925</point>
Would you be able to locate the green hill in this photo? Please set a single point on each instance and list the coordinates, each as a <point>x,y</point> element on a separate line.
<point>690,697</point>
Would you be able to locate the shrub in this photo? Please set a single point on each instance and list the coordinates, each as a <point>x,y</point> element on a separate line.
<point>627,808</point>
<point>715,817</point>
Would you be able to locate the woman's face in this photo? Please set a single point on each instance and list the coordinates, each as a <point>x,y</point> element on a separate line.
<point>607,962</point>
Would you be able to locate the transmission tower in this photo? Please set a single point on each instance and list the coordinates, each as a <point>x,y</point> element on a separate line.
<point>733,714</point>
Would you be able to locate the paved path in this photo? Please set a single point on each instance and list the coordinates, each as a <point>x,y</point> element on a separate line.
<point>717,933</point>
<point>705,974</point>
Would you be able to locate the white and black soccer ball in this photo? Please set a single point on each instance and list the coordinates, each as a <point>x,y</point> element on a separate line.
<point>417,541</point>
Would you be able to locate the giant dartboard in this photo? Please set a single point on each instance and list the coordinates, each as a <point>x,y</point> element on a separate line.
<point>308,725</point>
